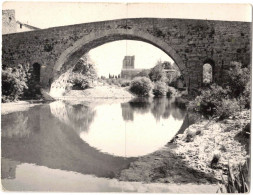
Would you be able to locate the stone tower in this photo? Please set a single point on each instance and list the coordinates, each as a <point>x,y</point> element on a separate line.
<point>8,21</point>
<point>128,62</point>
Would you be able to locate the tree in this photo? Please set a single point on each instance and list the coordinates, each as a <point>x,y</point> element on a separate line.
<point>83,74</point>
<point>14,82</point>
<point>141,86</point>
<point>238,77</point>
<point>158,73</point>
<point>143,73</point>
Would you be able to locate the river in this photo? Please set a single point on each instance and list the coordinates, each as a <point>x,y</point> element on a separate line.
<point>84,145</point>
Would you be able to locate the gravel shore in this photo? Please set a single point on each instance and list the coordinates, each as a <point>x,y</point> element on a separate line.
<point>189,161</point>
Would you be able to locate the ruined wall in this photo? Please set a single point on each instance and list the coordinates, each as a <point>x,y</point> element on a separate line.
<point>8,21</point>
<point>189,42</point>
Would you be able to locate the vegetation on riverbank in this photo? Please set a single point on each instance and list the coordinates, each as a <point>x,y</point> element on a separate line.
<point>19,83</point>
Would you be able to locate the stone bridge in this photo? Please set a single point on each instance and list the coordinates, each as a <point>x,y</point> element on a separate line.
<point>190,43</point>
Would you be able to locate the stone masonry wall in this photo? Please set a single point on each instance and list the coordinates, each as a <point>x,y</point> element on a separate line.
<point>192,42</point>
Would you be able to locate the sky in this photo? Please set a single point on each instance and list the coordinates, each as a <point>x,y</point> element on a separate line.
<point>109,57</point>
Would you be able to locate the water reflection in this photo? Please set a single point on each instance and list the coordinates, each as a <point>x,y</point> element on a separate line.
<point>159,107</point>
<point>135,128</point>
<point>54,144</point>
<point>77,116</point>
<point>97,139</point>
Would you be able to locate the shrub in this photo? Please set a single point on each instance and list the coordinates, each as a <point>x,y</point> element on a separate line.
<point>171,91</point>
<point>236,182</point>
<point>160,89</point>
<point>157,73</point>
<point>141,86</point>
<point>190,134</point>
<point>125,83</point>
<point>83,74</point>
<point>245,97</point>
<point>143,73</point>
<point>215,159</point>
<point>14,81</point>
<point>226,108</point>
<point>209,99</point>
<point>238,77</point>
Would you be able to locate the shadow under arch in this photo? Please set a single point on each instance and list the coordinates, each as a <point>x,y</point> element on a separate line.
<point>72,54</point>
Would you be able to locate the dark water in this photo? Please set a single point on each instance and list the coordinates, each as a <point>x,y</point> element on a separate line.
<point>77,141</point>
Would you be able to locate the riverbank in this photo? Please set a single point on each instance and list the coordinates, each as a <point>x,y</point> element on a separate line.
<point>189,161</point>
<point>99,92</point>
<point>19,106</point>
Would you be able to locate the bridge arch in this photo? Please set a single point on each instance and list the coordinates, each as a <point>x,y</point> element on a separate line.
<point>71,55</point>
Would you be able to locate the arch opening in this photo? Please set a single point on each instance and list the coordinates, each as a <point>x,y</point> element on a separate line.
<point>36,72</point>
<point>71,55</point>
<point>208,72</point>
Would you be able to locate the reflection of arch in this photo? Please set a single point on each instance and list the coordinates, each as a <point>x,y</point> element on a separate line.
<point>36,72</point>
<point>71,55</point>
<point>208,71</point>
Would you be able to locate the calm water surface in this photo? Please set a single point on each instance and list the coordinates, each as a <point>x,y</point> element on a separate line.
<point>81,146</point>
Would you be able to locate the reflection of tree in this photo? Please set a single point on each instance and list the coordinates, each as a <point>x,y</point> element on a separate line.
<point>80,116</point>
<point>158,107</point>
<point>177,112</point>
<point>140,105</point>
<point>15,125</point>
<point>127,112</point>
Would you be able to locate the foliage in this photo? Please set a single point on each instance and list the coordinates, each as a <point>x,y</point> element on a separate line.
<point>226,108</point>
<point>143,73</point>
<point>83,74</point>
<point>209,99</point>
<point>246,96</point>
<point>141,86</point>
<point>33,91</point>
<point>236,182</point>
<point>238,77</point>
<point>125,83</point>
<point>160,89</point>
<point>157,73</point>
<point>223,101</point>
<point>14,81</point>
<point>171,91</point>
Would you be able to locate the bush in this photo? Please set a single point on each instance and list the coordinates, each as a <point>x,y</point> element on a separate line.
<point>125,83</point>
<point>226,108</point>
<point>83,74</point>
<point>238,77</point>
<point>171,91</point>
<point>141,86</point>
<point>236,182</point>
<point>160,89</point>
<point>158,73</point>
<point>245,98</point>
<point>143,73</point>
<point>209,99</point>
<point>14,81</point>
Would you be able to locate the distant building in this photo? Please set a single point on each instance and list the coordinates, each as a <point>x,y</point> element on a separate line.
<point>128,62</point>
<point>128,71</point>
<point>22,27</point>
<point>10,25</point>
